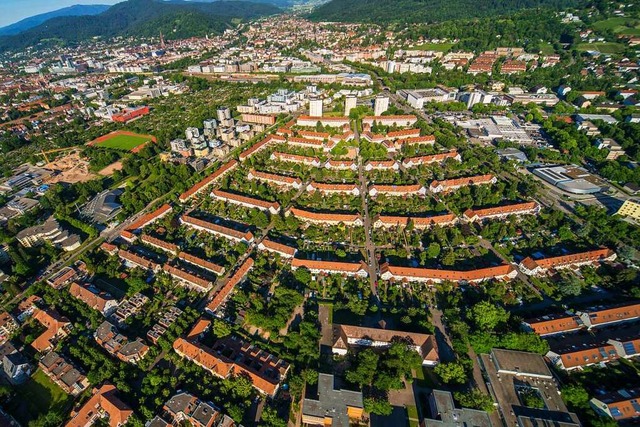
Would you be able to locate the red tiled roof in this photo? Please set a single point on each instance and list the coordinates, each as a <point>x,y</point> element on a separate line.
<point>237,277</point>
<point>387,118</point>
<point>137,259</point>
<point>615,314</point>
<point>294,158</point>
<point>153,241</point>
<point>150,217</point>
<point>381,164</point>
<point>321,186</point>
<point>303,141</point>
<point>316,135</point>
<point>54,324</point>
<point>278,247</point>
<point>332,266</point>
<point>452,275</point>
<point>274,177</point>
<point>92,299</point>
<point>260,145</point>
<point>411,188</point>
<point>217,228</point>
<point>583,357</point>
<point>188,277</point>
<point>319,216</point>
<point>555,324</point>
<point>208,180</point>
<point>501,210</point>
<point>440,157</point>
<point>552,262</point>
<point>402,133</point>
<point>207,265</point>
<point>460,182</point>
<point>105,399</point>
<point>417,220</point>
<point>224,195</point>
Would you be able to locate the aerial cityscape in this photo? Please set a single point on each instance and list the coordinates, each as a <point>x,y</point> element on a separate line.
<point>283,213</point>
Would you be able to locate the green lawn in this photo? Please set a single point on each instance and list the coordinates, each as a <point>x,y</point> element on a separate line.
<point>619,25</point>
<point>123,142</point>
<point>437,47</point>
<point>39,396</point>
<point>547,49</point>
<point>603,47</point>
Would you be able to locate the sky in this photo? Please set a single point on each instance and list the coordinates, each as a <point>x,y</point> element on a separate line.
<point>15,10</point>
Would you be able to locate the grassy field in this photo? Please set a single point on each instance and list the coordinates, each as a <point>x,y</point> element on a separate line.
<point>123,142</point>
<point>437,47</point>
<point>619,25</point>
<point>547,49</point>
<point>603,47</point>
<point>37,397</point>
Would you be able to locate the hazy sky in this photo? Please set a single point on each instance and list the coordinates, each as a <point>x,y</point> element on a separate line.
<point>14,10</point>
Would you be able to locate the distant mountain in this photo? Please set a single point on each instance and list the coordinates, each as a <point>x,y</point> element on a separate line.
<point>34,21</point>
<point>175,19</point>
<point>385,11</point>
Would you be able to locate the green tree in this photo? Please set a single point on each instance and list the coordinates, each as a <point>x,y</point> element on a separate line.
<point>475,399</point>
<point>221,328</point>
<point>487,316</point>
<point>575,396</point>
<point>366,366</point>
<point>433,251</point>
<point>378,406</point>
<point>451,373</point>
<point>270,418</point>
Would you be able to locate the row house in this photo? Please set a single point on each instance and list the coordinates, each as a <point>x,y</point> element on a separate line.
<point>159,244</point>
<point>429,276</point>
<point>331,267</point>
<point>25,309</point>
<point>395,146</point>
<point>325,218</point>
<point>94,298</point>
<point>129,307</point>
<point>63,373</point>
<point>279,181</point>
<point>341,165</point>
<point>621,405</point>
<point>374,137</point>
<point>248,202</point>
<point>189,279</point>
<point>317,136</point>
<point>346,137</point>
<point>218,230</point>
<point>427,160</point>
<point>8,326</point>
<point>259,146</point>
<point>295,158</point>
<point>403,134</point>
<point>187,409</point>
<point>326,188</point>
<point>405,120</point>
<point>284,251</point>
<point>381,165</point>
<point>63,277</point>
<point>305,143</point>
<point>233,356</point>
<point>346,337</point>
<point>397,190</point>
<point>150,218</point>
<point>133,260</point>
<point>527,208</point>
<point>226,290</point>
<point>202,263</point>
<point>116,344</point>
<point>453,184</point>
<point>421,223</point>
<point>532,267</point>
<point>332,122</point>
<point>209,180</point>
<point>167,319</point>
<point>512,66</point>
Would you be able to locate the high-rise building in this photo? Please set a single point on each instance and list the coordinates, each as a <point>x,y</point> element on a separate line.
<point>350,103</point>
<point>315,107</point>
<point>381,105</point>
<point>224,113</point>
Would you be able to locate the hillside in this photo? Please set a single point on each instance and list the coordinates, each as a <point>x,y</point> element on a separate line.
<point>176,19</point>
<point>34,21</point>
<point>384,11</point>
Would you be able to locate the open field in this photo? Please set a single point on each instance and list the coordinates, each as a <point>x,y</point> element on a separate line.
<point>603,47</point>
<point>38,396</point>
<point>619,25</point>
<point>70,169</point>
<point>123,140</point>
<point>437,47</point>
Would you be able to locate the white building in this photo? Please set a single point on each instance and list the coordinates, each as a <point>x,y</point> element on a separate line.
<point>381,105</point>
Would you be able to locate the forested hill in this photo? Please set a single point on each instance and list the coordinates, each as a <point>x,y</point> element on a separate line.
<point>385,11</point>
<point>33,21</point>
<point>176,19</point>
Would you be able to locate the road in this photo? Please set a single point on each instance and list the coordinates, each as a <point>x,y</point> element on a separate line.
<point>370,248</point>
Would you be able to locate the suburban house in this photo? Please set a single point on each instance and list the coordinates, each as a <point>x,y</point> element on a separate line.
<point>104,403</point>
<point>621,405</point>
<point>57,327</point>
<point>534,267</point>
<point>347,336</point>
<point>63,373</point>
<point>94,298</point>
<point>233,281</point>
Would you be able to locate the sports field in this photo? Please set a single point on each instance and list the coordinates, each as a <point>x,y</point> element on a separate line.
<point>123,140</point>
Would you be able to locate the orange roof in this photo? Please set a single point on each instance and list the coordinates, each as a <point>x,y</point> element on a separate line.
<point>208,265</point>
<point>382,164</point>
<point>224,195</point>
<point>564,260</point>
<point>153,241</point>
<point>274,177</point>
<point>202,325</point>
<point>452,275</point>
<point>54,324</point>
<point>278,247</point>
<point>332,266</point>
<point>583,357</point>
<point>260,145</point>
<point>108,247</point>
<point>303,141</point>
<point>501,210</point>
<point>209,226</point>
<point>137,259</point>
<point>237,277</point>
<point>294,157</point>
<point>431,159</point>
<point>208,180</point>
<point>405,132</point>
<point>341,163</point>
<point>554,324</point>
<point>321,186</point>
<point>615,314</point>
<point>315,135</point>
<point>92,299</point>
<point>320,216</point>
<point>105,399</point>
<point>150,217</point>
<point>417,220</point>
<point>460,182</point>
<point>427,139</point>
<point>411,188</point>
<point>188,277</point>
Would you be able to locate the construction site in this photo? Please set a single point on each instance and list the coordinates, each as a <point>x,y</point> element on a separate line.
<point>67,166</point>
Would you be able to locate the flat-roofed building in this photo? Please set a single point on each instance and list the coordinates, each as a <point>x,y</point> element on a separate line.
<point>332,406</point>
<point>445,414</point>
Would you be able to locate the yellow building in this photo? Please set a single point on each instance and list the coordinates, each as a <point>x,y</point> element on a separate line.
<point>630,208</point>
